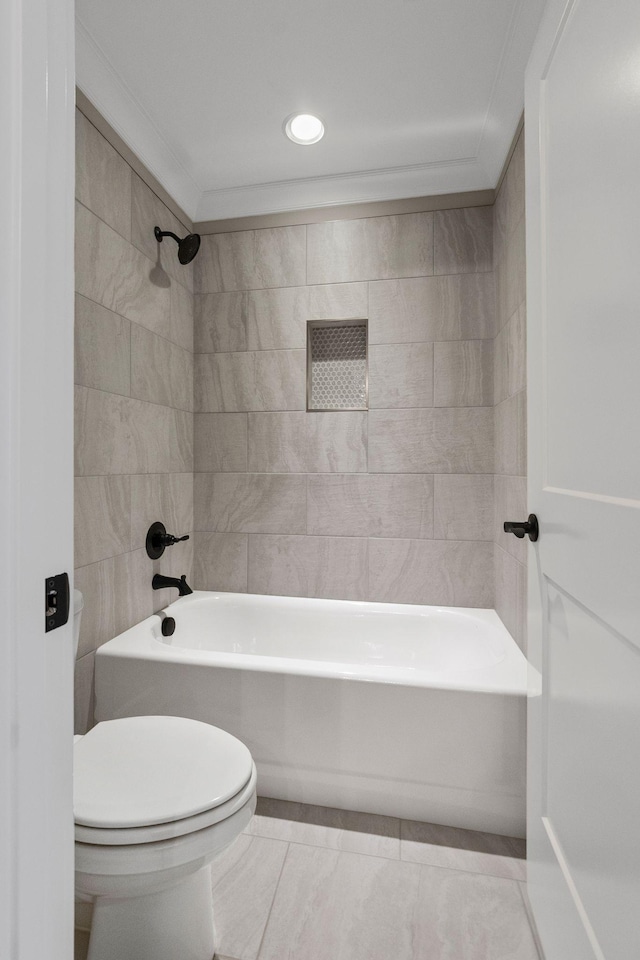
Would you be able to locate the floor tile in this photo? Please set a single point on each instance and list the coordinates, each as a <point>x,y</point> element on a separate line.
<point>245,878</point>
<point>327,827</point>
<point>342,905</point>
<point>462,916</point>
<point>457,849</point>
<point>353,907</point>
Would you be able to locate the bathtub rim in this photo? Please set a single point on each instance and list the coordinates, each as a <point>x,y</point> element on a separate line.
<point>508,677</point>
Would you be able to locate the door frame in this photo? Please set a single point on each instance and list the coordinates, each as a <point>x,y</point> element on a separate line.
<point>36,476</point>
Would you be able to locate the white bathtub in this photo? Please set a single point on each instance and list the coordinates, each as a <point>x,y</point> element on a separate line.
<point>411,711</point>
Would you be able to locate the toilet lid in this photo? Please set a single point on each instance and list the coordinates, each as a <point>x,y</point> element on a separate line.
<point>146,770</point>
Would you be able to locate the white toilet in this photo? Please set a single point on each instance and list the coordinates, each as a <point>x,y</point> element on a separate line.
<point>155,800</point>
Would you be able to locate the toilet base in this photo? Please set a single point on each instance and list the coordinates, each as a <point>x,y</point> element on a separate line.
<point>176,922</point>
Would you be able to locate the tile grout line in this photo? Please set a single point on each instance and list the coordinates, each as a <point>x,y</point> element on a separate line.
<point>275,893</point>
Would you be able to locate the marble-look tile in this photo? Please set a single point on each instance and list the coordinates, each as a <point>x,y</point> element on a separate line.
<point>180,330</point>
<point>329,827</point>
<point>162,438</point>
<point>264,380</point>
<point>444,572</point>
<point>458,849</point>
<point>102,433</point>
<point>342,905</point>
<point>463,507</point>
<point>252,259</point>
<point>334,568</point>
<point>509,205</point>
<point>511,274</point>
<point>102,521</point>
<point>161,496</point>
<point>401,375</point>
<point>463,240</point>
<point>432,308</point>
<point>244,879</point>
<point>278,442</point>
<point>453,440</point>
<point>339,251</point>
<point>466,916</point>
<point>148,211</point>
<point>511,595</point>
<point>83,694</point>
<point>370,505</point>
<point>250,503</point>
<point>339,301</point>
<point>161,371</point>
<point>220,322</point>
<point>102,348</point>
<point>115,274</point>
<point>277,319</point>
<point>510,357</point>
<point>220,442</point>
<point>510,503</point>
<point>220,562</point>
<point>463,373</point>
<point>337,442</point>
<point>103,178</point>
<point>117,593</point>
<point>511,436</point>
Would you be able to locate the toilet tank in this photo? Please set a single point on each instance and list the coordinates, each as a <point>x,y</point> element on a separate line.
<point>78,604</point>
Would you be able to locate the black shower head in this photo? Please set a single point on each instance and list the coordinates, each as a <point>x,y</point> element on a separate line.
<point>187,247</point>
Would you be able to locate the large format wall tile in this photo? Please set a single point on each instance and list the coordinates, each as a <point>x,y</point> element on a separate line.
<point>102,520</point>
<point>463,373</point>
<point>432,308</point>
<point>447,572</point>
<point>334,568</point>
<point>337,442</point>
<point>180,330</point>
<point>103,178</point>
<point>161,371</point>
<point>250,503</point>
<point>463,507</point>
<point>401,375</point>
<point>370,249</point>
<point>220,443</point>
<point>370,505</point>
<point>445,440</point>
<point>161,437</point>
<point>511,594</point>
<point>511,436</point>
<point>103,440</point>
<point>277,319</point>
<point>102,348</point>
<point>510,359</point>
<point>113,273</point>
<point>339,301</point>
<point>167,497</point>
<point>220,322</point>
<point>278,442</point>
<point>265,380</point>
<point>220,562</point>
<point>83,694</point>
<point>148,211</point>
<point>463,240</point>
<point>252,259</point>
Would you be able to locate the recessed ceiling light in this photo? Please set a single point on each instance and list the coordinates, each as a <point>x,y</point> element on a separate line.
<point>304,128</point>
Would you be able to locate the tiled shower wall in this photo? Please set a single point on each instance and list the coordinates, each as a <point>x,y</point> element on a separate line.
<point>134,399</point>
<point>393,504</point>
<point>510,396</point>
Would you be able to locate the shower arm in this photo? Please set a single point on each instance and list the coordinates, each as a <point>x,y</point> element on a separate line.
<point>159,234</point>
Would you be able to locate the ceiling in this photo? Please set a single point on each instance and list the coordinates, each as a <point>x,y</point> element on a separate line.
<point>418,97</point>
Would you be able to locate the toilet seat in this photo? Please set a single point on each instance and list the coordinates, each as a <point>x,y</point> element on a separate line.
<point>144,779</point>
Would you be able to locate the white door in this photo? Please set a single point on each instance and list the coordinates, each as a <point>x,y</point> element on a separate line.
<point>582,122</point>
<point>36,476</point>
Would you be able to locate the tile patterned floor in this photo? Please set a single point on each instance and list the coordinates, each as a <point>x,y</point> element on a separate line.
<point>305,883</point>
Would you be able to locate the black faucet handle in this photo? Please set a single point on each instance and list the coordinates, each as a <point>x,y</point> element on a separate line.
<point>158,540</point>
<point>168,539</point>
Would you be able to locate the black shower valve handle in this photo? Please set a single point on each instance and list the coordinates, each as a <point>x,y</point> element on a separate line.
<point>158,540</point>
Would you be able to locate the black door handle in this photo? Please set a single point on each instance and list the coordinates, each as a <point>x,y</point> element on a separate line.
<point>521,527</point>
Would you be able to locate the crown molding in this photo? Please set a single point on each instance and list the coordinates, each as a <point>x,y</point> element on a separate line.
<point>113,99</point>
<point>367,186</point>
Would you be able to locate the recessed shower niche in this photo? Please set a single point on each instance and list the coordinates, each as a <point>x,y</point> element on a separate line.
<point>337,373</point>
